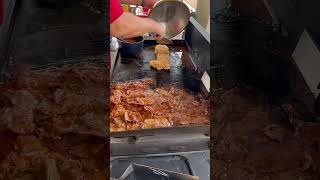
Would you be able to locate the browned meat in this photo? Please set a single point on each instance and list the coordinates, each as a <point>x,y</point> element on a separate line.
<point>135,105</point>
<point>59,118</point>
<point>253,142</point>
<point>160,64</point>
<point>162,61</point>
<point>161,49</point>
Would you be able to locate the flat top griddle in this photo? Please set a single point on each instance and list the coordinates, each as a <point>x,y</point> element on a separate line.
<point>183,74</point>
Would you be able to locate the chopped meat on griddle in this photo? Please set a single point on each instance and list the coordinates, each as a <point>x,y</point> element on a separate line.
<point>162,61</point>
<point>134,105</point>
<point>58,117</point>
<point>161,49</point>
<point>160,64</point>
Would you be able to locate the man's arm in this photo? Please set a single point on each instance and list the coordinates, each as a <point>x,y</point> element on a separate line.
<point>129,25</point>
<point>147,3</point>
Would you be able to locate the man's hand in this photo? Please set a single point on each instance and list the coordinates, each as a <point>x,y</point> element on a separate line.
<point>158,30</point>
<point>129,25</point>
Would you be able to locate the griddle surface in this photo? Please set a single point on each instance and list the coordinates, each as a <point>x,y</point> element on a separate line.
<point>182,73</point>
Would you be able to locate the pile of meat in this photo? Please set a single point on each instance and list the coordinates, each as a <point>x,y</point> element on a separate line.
<point>162,61</point>
<point>134,105</point>
<point>53,124</point>
<point>253,140</point>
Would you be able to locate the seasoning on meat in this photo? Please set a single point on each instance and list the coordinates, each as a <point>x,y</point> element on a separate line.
<point>134,105</point>
<point>160,64</point>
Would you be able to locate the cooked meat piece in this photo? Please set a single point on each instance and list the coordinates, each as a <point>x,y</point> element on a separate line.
<point>92,123</point>
<point>21,121</point>
<point>14,166</point>
<point>133,126</point>
<point>118,127</point>
<point>161,49</point>
<point>162,61</point>
<point>20,116</point>
<point>148,81</point>
<point>64,123</point>
<point>81,151</point>
<point>159,65</point>
<point>163,57</point>
<point>29,145</point>
<point>155,123</point>
<point>116,98</point>
<point>71,169</point>
<point>35,81</point>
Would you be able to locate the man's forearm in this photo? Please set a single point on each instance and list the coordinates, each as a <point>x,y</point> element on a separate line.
<point>132,2</point>
<point>146,3</point>
<point>129,25</point>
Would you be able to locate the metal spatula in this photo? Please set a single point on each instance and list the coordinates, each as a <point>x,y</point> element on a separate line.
<point>164,41</point>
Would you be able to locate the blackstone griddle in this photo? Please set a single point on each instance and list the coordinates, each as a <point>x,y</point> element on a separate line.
<point>182,149</point>
<point>185,73</point>
<point>182,74</point>
<point>188,64</point>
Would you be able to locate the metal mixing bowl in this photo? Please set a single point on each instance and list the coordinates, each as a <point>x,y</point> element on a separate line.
<point>174,15</point>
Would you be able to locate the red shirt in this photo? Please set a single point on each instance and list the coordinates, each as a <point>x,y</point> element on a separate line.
<point>115,10</point>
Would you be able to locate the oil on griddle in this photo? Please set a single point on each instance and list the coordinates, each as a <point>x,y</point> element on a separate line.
<point>53,123</point>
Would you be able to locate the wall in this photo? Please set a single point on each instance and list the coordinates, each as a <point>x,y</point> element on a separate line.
<point>202,8</point>
<point>192,3</point>
<point>203,12</point>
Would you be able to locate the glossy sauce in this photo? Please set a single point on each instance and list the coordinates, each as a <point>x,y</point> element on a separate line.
<point>132,40</point>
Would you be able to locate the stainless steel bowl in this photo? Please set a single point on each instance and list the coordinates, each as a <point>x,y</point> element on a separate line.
<point>174,15</point>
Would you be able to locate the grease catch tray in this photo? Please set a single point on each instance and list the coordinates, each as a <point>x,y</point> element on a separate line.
<point>141,172</point>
